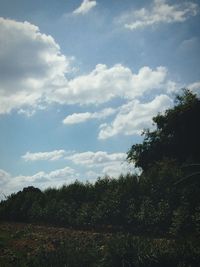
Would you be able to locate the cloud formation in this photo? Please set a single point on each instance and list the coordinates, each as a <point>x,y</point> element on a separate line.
<point>103,84</point>
<point>114,169</point>
<point>52,155</point>
<point>159,12</point>
<point>27,85</point>
<point>85,7</point>
<point>23,81</point>
<point>134,116</point>
<point>93,165</point>
<point>87,159</point>
<point>41,179</point>
<point>101,163</point>
<point>91,159</point>
<point>76,118</point>
<point>195,87</point>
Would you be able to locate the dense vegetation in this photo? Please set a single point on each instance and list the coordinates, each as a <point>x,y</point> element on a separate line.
<point>163,201</point>
<point>152,203</point>
<point>176,135</point>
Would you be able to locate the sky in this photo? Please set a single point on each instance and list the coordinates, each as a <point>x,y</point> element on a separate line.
<point>81,79</point>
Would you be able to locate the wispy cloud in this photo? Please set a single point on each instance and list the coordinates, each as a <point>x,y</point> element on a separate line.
<point>51,155</point>
<point>76,118</point>
<point>90,158</point>
<point>159,12</point>
<point>85,7</point>
<point>41,179</point>
<point>102,163</point>
<point>195,87</point>
<point>92,164</point>
<point>134,117</point>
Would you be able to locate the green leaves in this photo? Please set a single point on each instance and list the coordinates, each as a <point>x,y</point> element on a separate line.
<point>176,135</point>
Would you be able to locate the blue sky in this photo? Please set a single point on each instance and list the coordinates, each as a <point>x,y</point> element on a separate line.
<point>80,80</point>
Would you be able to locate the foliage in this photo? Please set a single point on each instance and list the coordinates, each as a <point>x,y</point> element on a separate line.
<point>153,204</point>
<point>176,135</point>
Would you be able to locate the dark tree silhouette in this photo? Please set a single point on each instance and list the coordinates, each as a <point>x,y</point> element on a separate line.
<point>176,135</point>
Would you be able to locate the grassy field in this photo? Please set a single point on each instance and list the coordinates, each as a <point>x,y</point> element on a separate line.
<point>31,245</point>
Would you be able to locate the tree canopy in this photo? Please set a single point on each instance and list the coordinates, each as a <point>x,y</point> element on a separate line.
<point>176,135</point>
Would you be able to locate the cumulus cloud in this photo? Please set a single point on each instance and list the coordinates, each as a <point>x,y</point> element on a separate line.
<point>114,169</point>
<point>195,87</point>
<point>85,7</point>
<point>104,83</point>
<point>96,164</point>
<point>27,85</point>
<point>85,116</point>
<point>102,163</point>
<point>93,165</point>
<point>51,155</point>
<point>4,177</point>
<point>56,178</point>
<point>101,160</point>
<point>90,158</point>
<point>31,65</point>
<point>134,116</point>
<point>159,12</point>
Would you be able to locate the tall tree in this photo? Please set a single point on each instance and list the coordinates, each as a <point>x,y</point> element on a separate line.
<point>176,135</point>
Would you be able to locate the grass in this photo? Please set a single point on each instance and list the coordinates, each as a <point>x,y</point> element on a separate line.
<point>31,245</point>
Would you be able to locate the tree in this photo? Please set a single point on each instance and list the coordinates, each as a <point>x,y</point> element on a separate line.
<point>176,135</point>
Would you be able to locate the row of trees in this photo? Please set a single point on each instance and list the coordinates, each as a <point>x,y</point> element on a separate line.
<point>151,203</point>
<point>163,200</point>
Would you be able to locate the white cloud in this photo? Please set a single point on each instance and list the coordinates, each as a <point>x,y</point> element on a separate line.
<point>92,165</point>
<point>102,163</point>
<point>43,180</point>
<point>103,84</point>
<point>195,87</point>
<point>31,65</point>
<point>82,117</point>
<point>96,164</point>
<point>159,12</point>
<point>27,85</point>
<point>92,176</point>
<point>85,7</point>
<point>114,169</point>
<point>134,117</point>
<point>190,44</point>
<point>51,155</point>
<point>26,112</point>
<point>4,177</point>
<point>91,159</point>
<point>4,180</point>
